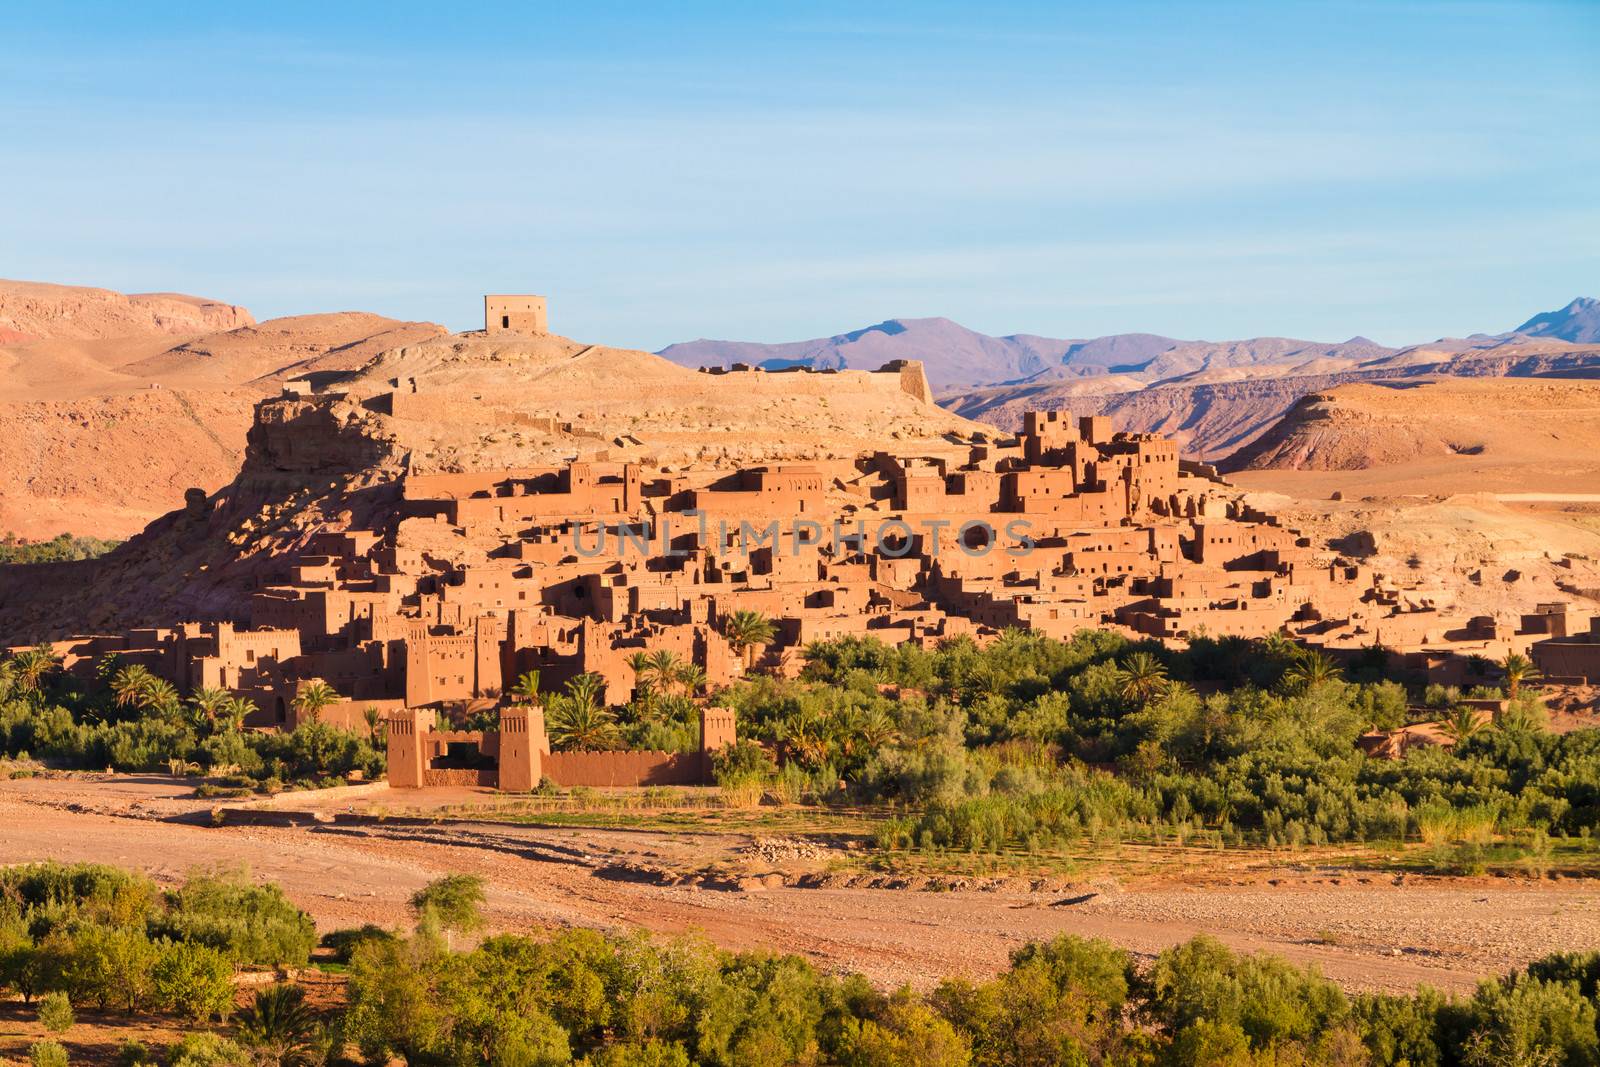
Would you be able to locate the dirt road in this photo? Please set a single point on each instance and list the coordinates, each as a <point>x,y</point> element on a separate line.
<point>1369,931</point>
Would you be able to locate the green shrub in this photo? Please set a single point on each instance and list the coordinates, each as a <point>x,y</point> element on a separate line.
<point>344,943</point>
<point>253,925</point>
<point>135,1054</point>
<point>55,1013</point>
<point>193,980</point>
<point>204,1049</point>
<point>47,1054</point>
<point>653,1053</point>
<point>1269,999</point>
<point>1524,1019</point>
<point>455,902</point>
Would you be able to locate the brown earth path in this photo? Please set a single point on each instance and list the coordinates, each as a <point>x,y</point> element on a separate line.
<point>1364,930</point>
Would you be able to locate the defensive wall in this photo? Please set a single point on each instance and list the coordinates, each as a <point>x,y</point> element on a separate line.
<point>900,375</point>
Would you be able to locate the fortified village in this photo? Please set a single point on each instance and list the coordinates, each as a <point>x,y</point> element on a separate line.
<point>465,579</point>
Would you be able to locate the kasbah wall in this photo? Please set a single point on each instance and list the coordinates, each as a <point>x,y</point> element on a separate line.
<point>517,757</point>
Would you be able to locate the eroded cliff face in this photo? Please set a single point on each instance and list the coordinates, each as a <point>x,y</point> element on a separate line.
<point>40,311</point>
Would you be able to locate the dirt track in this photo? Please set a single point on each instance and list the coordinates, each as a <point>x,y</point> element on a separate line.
<point>1365,930</point>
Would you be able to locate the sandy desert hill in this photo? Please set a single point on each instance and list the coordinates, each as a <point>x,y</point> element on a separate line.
<point>1490,485</point>
<point>1437,436</point>
<point>111,406</point>
<point>332,460</point>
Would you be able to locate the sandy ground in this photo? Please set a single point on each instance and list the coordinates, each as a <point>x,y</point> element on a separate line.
<point>1367,930</point>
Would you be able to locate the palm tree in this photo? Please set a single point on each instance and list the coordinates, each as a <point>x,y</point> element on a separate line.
<point>1279,645</point>
<point>586,688</point>
<point>1518,719</point>
<point>1461,724</point>
<point>639,663</point>
<point>1517,669</point>
<point>578,721</point>
<point>809,738</point>
<point>31,666</point>
<point>526,688</point>
<point>1311,669</point>
<point>877,730</point>
<point>692,677</point>
<point>312,698</point>
<point>130,685</point>
<point>161,696</point>
<point>374,719</point>
<point>206,704</point>
<point>234,713</point>
<point>279,1028</point>
<point>1478,666</point>
<point>663,666</point>
<point>748,631</point>
<point>1230,654</point>
<point>1142,677</point>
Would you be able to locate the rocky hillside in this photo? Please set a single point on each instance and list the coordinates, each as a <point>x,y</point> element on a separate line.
<point>107,465</point>
<point>1476,422</point>
<point>332,460</point>
<point>115,405</point>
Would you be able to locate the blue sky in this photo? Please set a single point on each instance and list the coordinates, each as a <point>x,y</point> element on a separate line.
<point>773,172</point>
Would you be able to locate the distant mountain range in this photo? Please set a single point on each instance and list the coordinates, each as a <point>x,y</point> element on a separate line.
<point>1213,396</point>
<point>956,357</point>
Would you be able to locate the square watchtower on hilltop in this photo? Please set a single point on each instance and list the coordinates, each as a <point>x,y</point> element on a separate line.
<point>520,314</point>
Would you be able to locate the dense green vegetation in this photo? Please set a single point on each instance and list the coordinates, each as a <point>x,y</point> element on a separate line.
<point>633,1001</point>
<point>62,548</point>
<point>1027,744</point>
<point>109,939</point>
<point>94,937</point>
<point>1032,742</point>
<point>126,719</point>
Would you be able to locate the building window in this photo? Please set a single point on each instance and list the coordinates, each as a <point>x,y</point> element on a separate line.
<point>505,322</point>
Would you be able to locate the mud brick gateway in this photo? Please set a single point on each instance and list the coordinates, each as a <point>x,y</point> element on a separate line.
<point>517,757</point>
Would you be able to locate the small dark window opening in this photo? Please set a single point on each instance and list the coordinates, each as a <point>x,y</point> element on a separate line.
<point>505,322</point>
